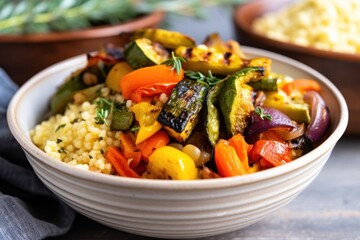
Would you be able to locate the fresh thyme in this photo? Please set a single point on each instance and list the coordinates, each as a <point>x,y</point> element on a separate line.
<point>62,150</point>
<point>101,116</point>
<point>210,79</point>
<point>74,121</point>
<point>103,111</point>
<point>60,126</point>
<point>175,63</point>
<point>260,111</point>
<point>134,128</point>
<point>58,140</point>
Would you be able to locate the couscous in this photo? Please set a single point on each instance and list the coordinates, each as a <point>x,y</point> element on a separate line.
<point>163,107</point>
<point>332,25</point>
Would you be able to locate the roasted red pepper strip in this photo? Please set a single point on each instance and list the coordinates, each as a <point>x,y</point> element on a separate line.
<point>143,93</point>
<point>147,147</point>
<point>227,161</point>
<point>128,148</point>
<point>241,148</point>
<point>120,163</point>
<point>274,152</point>
<point>302,85</point>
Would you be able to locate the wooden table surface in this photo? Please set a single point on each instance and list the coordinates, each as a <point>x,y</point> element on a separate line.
<point>328,209</point>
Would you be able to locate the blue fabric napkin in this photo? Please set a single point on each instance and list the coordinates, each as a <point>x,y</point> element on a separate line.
<point>28,210</point>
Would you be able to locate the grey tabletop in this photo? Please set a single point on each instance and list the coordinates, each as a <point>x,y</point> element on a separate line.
<point>328,209</point>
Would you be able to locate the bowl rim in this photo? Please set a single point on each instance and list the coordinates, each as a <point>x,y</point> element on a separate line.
<point>244,26</point>
<point>27,145</point>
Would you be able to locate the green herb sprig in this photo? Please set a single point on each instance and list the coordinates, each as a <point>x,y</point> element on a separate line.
<point>41,16</point>
<point>60,126</point>
<point>103,111</point>
<point>260,111</point>
<point>210,79</point>
<point>32,16</point>
<point>175,63</point>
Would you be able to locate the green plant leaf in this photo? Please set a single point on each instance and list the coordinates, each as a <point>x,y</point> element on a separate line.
<point>7,10</point>
<point>21,17</point>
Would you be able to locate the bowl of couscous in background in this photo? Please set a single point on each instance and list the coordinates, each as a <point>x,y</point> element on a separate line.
<point>323,35</point>
<point>167,209</point>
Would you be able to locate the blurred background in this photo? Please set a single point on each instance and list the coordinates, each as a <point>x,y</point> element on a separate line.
<point>36,34</point>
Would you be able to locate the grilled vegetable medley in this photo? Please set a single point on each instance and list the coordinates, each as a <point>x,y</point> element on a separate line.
<point>163,107</point>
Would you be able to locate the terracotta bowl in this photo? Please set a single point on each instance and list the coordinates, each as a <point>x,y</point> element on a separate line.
<point>164,208</point>
<point>340,68</point>
<point>23,56</point>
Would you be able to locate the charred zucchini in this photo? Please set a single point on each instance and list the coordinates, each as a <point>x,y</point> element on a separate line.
<point>98,65</point>
<point>203,58</point>
<point>236,98</point>
<point>212,119</point>
<point>88,77</point>
<point>88,94</point>
<point>143,52</point>
<point>168,39</point>
<point>299,112</point>
<point>180,113</point>
<point>265,84</point>
<point>121,120</point>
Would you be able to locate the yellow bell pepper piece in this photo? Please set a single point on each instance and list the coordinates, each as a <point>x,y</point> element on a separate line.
<point>146,114</point>
<point>116,73</point>
<point>169,162</point>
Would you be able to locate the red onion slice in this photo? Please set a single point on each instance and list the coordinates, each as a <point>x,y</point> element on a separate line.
<point>258,125</point>
<point>320,116</point>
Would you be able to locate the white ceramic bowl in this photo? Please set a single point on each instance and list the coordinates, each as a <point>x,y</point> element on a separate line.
<point>172,209</point>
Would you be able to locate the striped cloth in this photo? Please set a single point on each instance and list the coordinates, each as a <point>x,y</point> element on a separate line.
<point>28,210</point>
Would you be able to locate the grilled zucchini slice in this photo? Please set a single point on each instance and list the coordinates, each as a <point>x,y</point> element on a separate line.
<point>265,84</point>
<point>180,113</point>
<point>168,39</point>
<point>236,98</point>
<point>143,52</point>
<point>212,120</point>
<point>203,58</point>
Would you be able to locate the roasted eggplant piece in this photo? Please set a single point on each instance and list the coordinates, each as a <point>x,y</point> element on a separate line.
<point>180,113</point>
